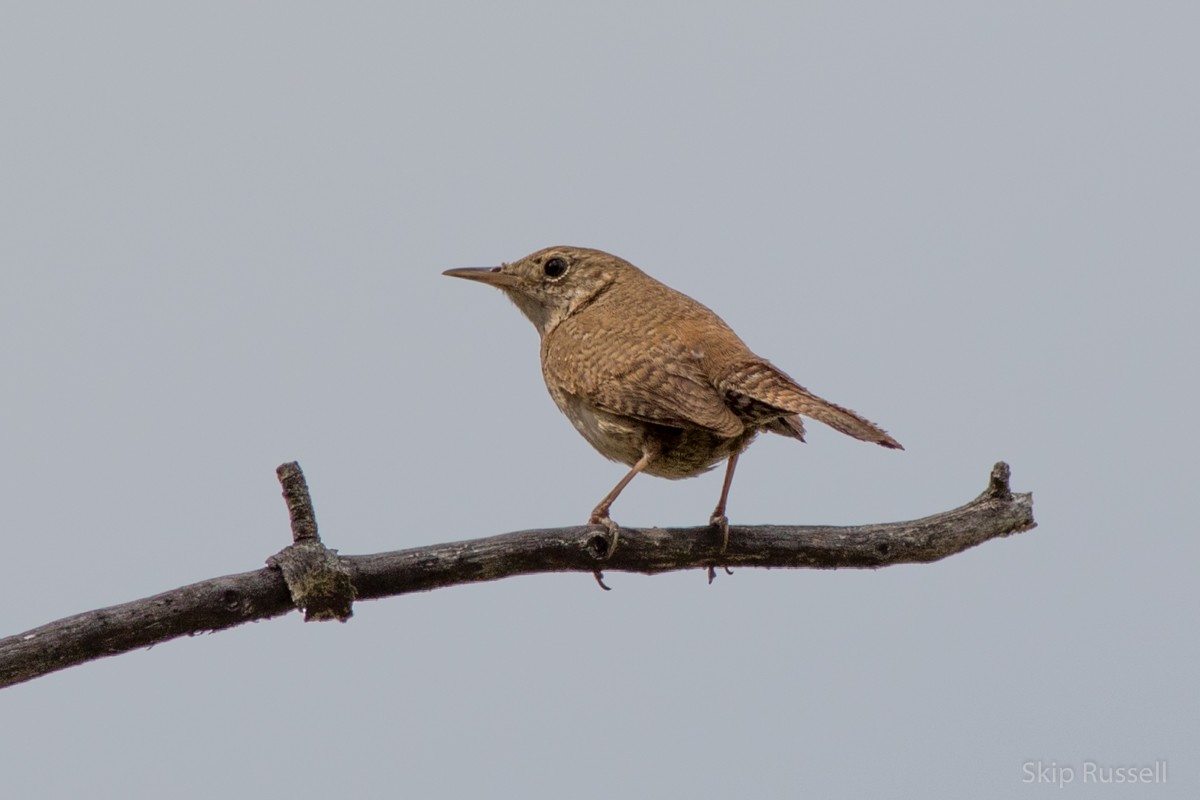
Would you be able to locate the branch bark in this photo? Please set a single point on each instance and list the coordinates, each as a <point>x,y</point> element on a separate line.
<point>308,576</point>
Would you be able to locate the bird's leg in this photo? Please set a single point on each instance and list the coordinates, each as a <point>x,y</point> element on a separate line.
<point>600,512</point>
<point>718,518</point>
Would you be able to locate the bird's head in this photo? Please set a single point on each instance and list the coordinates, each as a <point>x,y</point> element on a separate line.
<point>551,284</point>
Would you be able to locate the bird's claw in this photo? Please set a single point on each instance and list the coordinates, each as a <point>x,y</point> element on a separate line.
<point>614,535</point>
<point>721,523</point>
<point>614,532</point>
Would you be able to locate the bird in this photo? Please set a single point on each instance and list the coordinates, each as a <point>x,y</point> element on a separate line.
<point>650,377</point>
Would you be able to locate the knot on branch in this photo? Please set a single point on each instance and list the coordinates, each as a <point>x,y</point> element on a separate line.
<point>317,580</point>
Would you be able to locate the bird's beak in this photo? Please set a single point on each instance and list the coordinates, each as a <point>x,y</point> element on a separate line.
<point>489,275</point>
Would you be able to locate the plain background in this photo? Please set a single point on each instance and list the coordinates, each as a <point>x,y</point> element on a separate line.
<point>222,228</point>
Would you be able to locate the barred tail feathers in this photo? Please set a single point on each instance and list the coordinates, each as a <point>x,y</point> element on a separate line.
<point>762,382</point>
<point>844,420</point>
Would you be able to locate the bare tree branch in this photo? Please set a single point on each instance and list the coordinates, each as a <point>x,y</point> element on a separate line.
<point>309,576</point>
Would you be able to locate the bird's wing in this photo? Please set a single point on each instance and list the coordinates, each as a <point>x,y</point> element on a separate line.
<point>650,378</point>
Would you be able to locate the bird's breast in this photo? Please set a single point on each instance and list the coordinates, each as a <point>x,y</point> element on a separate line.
<point>615,437</point>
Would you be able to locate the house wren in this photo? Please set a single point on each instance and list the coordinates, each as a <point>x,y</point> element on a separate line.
<point>650,377</point>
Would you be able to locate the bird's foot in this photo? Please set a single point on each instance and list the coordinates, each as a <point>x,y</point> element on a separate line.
<point>614,531</point>
<point>614,535</point>
<point>721,523</point>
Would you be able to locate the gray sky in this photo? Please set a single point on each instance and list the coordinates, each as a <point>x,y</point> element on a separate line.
<point>223,227</point>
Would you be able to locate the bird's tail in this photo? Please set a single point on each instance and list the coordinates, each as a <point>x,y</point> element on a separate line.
<point>762,382</point>
<point>842,419</point>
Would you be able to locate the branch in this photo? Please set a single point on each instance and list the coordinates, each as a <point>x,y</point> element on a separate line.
<point>317,581</point>
<point>307,575</point>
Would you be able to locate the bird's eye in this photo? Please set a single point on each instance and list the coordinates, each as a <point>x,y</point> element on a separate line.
<point>555,267</point>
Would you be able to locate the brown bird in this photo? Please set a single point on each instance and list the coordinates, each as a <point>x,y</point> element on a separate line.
<point>650,377</point>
